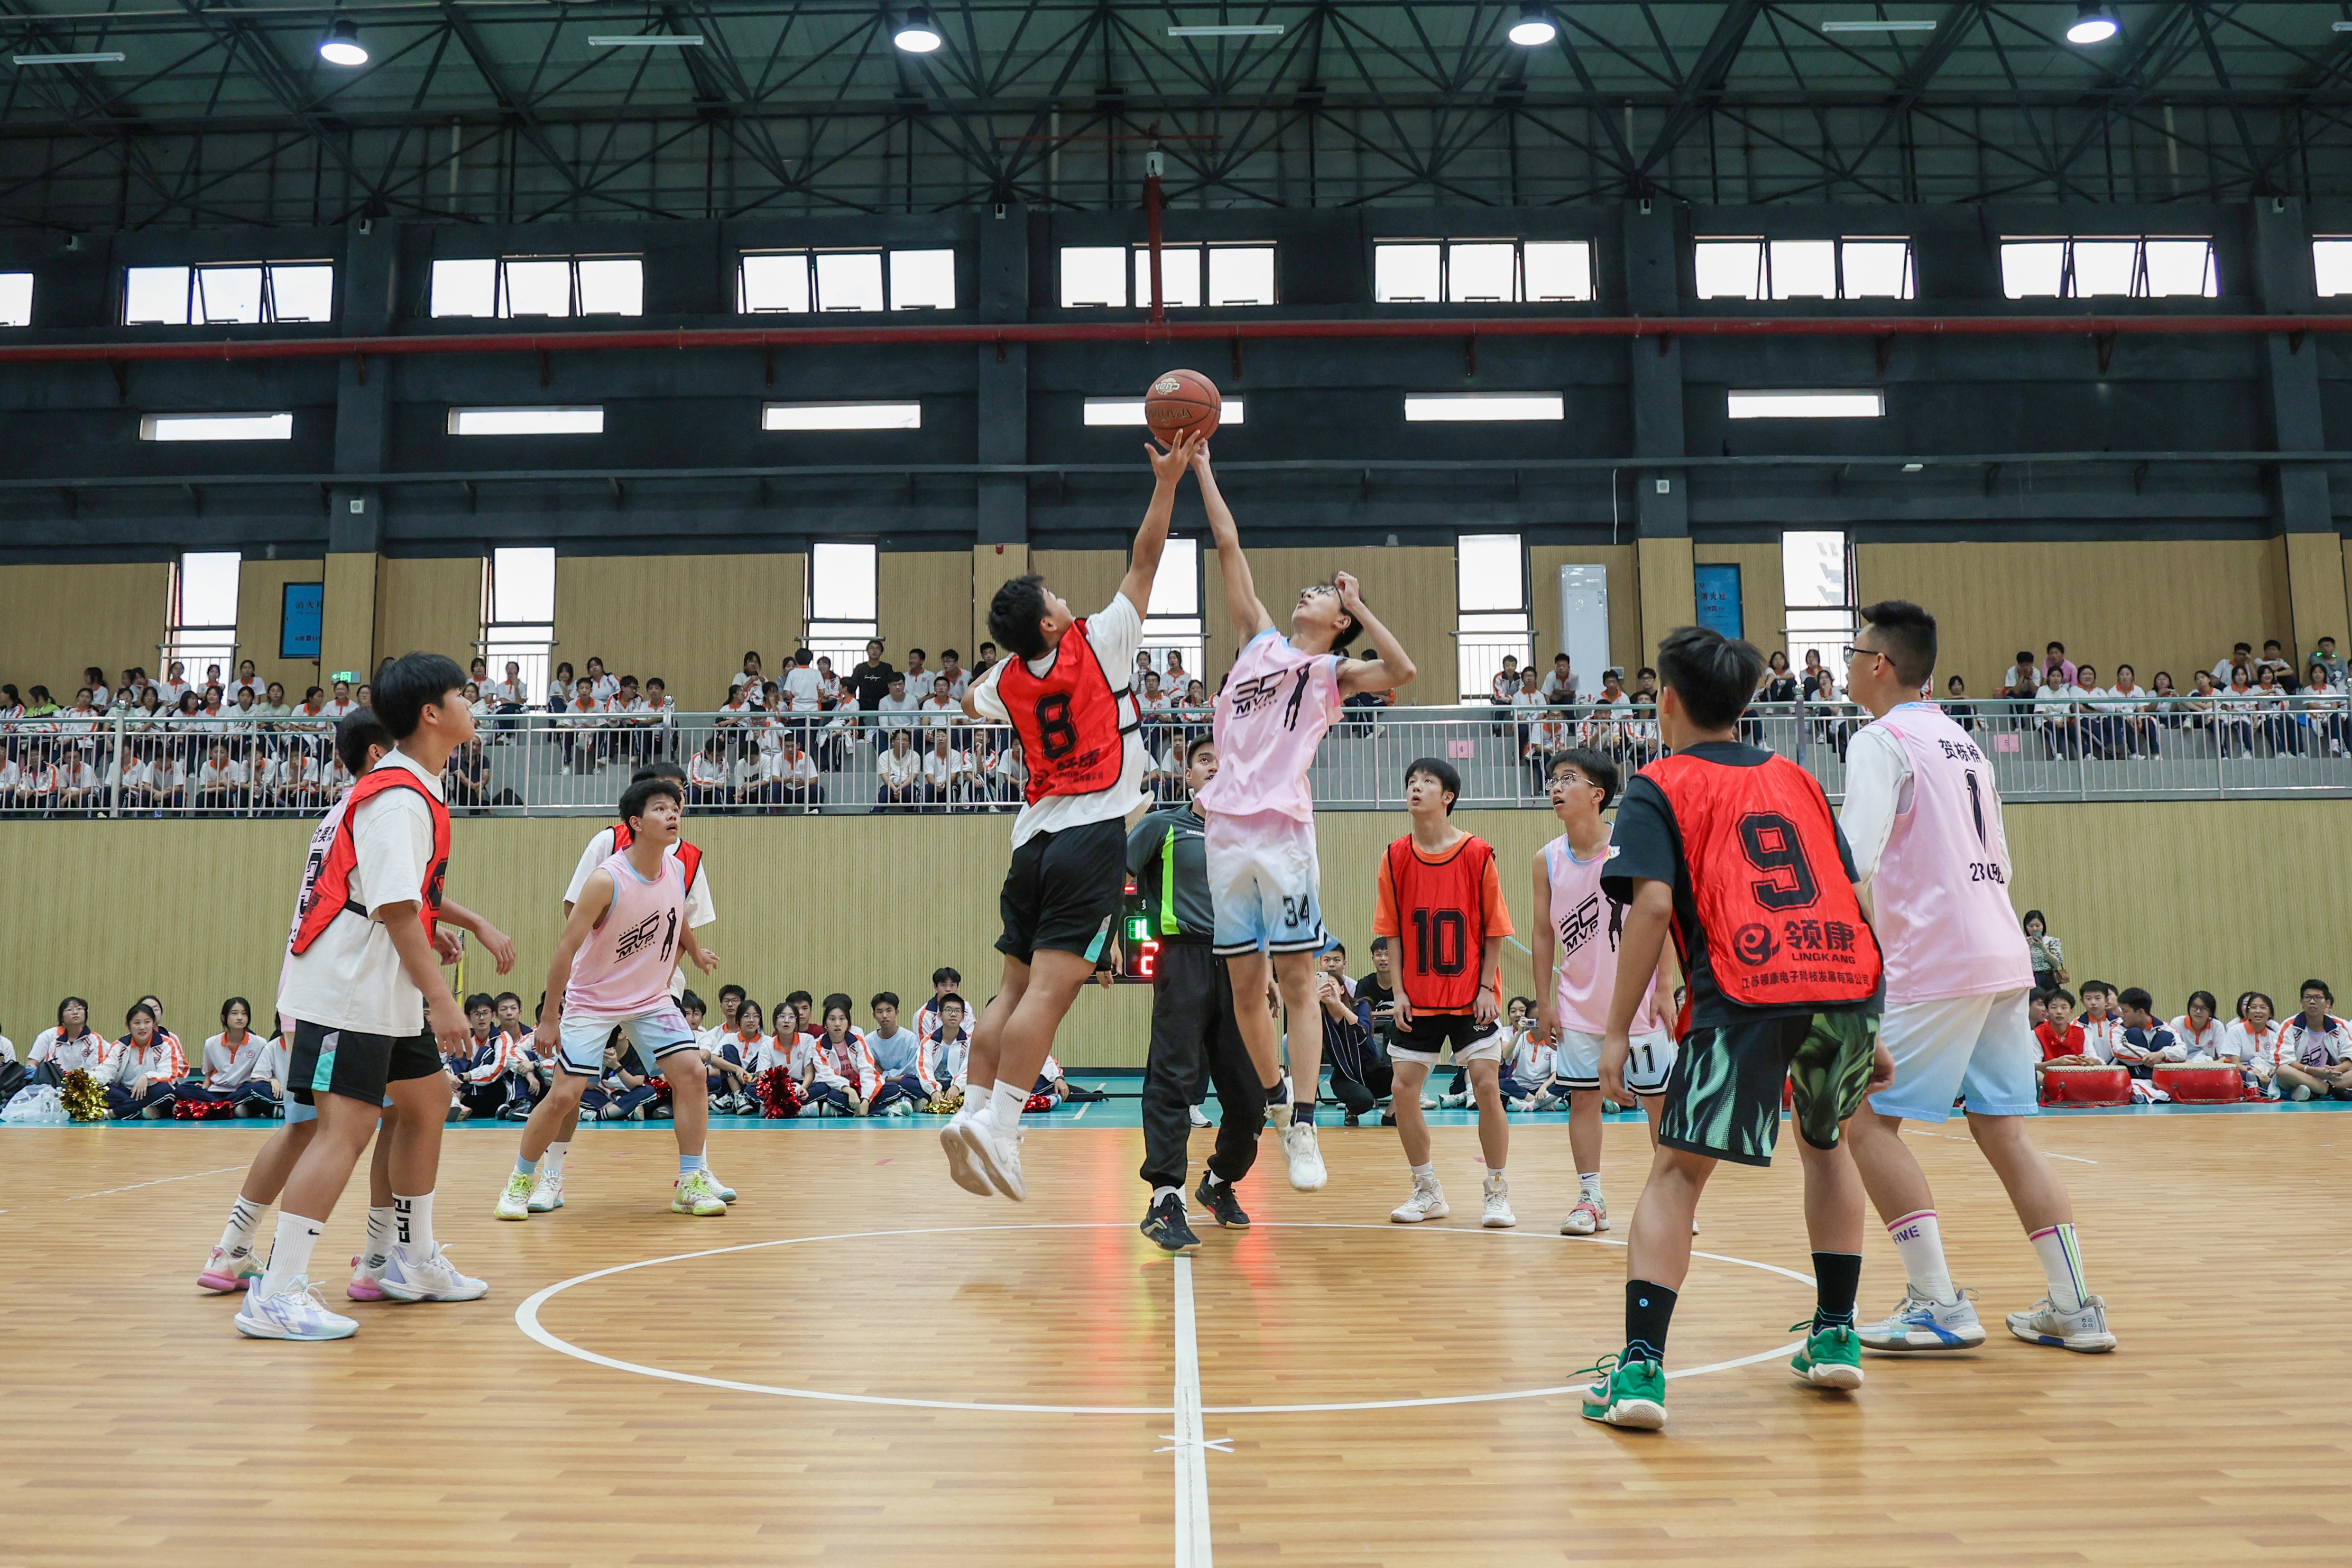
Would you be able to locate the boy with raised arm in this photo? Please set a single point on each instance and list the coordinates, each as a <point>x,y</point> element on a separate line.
<point>1265,883</point>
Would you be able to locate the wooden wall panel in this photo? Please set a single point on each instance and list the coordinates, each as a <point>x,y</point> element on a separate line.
<point>1544,561</point>
<point>196,911</point>
<point>2175,605</point>
<point>433,604</point>
<point>55,621</point>
<point>686,618</point>
<point>260,609</point>
<point>1759,588</point>
<point>1087,578</point>
<point>1409,587</point>
<point>926,602</point>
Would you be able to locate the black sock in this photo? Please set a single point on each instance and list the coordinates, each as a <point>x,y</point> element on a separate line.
<point>1649,1308</point>
<point>1840,1274</point>
<point>1303,1112</point>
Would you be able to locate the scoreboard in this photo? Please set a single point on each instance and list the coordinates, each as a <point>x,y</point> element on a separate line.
<point>1139,949</point>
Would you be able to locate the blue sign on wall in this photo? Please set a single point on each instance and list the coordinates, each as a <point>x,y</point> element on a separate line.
<point>1718,599</point>
<point>299,615</point>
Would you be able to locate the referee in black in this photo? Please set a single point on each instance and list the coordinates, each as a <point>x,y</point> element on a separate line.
<point>1193,1030</point>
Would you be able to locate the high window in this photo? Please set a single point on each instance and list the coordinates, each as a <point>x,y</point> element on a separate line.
<point>1172,619</point>
<point>1481,271</point>
<point>200,619</point>
<point>1191,276</point>
<point>844,593</point>
<point>1476,407</point>
<point>506,286</point>
<point>230,294</point>
<point>518,615</point>
<point>1490,611</point>
<point>1825,403</point>
<point>2331,267</point>
<point>1875,268</point>
<point>830,282</point>
<point>216,427</point>
<point>1817,598</point>
<point>15,298</point>
<point>2125,267</point>
<point>587,420</point>
<point>1129,411</point>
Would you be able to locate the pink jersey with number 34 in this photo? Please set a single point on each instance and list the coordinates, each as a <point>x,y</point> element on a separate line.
<point>1272,711</point>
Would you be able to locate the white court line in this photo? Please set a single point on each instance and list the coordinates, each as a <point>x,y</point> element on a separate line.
<point>1956,1138</point>
<point>1190,1438</point>
<point>134,1187</point>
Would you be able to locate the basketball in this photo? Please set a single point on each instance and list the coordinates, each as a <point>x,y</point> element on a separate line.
<point>1182,400</point>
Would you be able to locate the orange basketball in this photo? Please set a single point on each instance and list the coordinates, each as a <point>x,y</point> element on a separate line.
<point>1182,400</point>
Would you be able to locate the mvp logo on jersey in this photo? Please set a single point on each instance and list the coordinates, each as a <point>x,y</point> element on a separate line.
<point>637,938</point>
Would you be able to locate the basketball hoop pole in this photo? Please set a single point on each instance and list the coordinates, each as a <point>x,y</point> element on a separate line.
<point>1153,162</point>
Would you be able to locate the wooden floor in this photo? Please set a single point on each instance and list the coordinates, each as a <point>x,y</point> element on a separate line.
<point>140,1428</point>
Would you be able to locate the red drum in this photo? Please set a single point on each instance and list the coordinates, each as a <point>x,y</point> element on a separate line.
<point>2201,1083</point>
<point>2085,1086</point>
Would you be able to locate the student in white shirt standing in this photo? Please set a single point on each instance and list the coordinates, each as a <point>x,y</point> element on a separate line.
<point>1931,865</point>
<point>371,1011</point>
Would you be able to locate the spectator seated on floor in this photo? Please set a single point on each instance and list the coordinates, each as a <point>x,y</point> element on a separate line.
<point>2251,1040</point>
<point>1361,1073</point>
<point>484,1067</point>
<point>2315,1050</point>
<point>945,980</point>
<point>2145,1042</point>
<point>620,1092</point>
<point>1528,1070</point>
<point>238,1065</point>
<point>2198,1029</point>
<point>733,1054</point>
<point>945,1051</point>
<point>2063,1041</point>
<point>141,1073</point>
<point>898,1059</point>
<point>834,1069</point>
<point>2101,1025</point>
<point>70,1046</point>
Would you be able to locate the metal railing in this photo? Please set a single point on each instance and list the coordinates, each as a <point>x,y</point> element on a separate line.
<point>847,762</point>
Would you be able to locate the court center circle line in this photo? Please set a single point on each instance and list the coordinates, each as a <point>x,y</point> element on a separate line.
<point>527,1320</point>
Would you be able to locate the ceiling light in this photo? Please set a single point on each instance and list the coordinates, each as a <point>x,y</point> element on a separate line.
<point>1914,467</point>
<point>2093,24</point>
<point>111,58</point>
<point>1535,27</point>
<point>2332,26</point>
<point>1230,30</point>
<point>917,34</point>
<point>1878,26</point>
<point>342,46</point>
<point>645,40</point>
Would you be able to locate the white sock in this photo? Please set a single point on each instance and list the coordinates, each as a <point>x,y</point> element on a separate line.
<point>2061,1260</point>
<point>1005,1103</point>
<point>1496,1172</point>
<point>1159,1192</point>
<point>1429,1169</point>
<point>1587,1185</point>
<point>412,1221</point>
<point>552,1163</point>
<point>379,1239</point>
<point>244,1219</point>
<point>289,1254</point>
<point>1921,1243</point>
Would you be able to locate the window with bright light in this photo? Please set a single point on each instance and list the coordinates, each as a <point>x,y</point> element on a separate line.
<point>844,593</point>
<point>1172,619</point>
<point>510,286</point>
<point>1806,405</point>
<point>242,293</point>
<point>574,421</point>
<point>1422,407</point>
<point>1129,411</point>
<point>200,617</point>
<point>518,615</point>
<point>842,417</point>
<point>2331,267</point>
<point>1191,276</point>
<point>1852,268</point>
<point>1491,619</point>
<point>15,298</point>
<point>217,427</point>
<point>2129,267</point>
<point>1481,271</point>
<point>1817,596</point>
<point>834,283</point>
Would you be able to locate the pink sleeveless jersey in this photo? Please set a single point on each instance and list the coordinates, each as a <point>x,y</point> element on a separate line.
<point>1587,923</point>
<point>1940,896</point>
<point>1271,716</point>
<point>622,970</point>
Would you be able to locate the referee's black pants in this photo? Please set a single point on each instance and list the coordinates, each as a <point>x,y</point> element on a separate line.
<point>1194,1033</point>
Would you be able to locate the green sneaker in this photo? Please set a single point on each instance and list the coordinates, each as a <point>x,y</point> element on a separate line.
<point>515,1202</point>
<point>1627,1394</point>
<point>1832,1357</point>
<point>698,1194</point>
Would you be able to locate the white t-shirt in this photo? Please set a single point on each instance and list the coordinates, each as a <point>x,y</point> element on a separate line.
<point>1115,632</point>
<point>896,770</point>
<point>802,688</point>
<point>350,978</point>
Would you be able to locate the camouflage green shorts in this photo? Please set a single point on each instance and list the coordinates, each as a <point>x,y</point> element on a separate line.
<point>1723,1098</point>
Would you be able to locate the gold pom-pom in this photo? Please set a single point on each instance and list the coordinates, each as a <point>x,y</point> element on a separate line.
<point>947,1102</point>
<point>84,1100</point>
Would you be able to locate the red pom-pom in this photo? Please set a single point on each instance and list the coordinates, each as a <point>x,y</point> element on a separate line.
<point>1039,1102</point>
<point>778,1095</point>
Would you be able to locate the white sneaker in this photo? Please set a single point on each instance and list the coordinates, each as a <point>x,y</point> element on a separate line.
<point>1589,1216</point>
<point>995,1156</point>
<point>1428,1202</point>
<point>899,1108</point>
<point>1521,1105</point>
<point>225,1274</point>
<point>1922,1323</point>
<point>2084,1330</point>
<point>1453,1101</point>
<point>514,1202</point>
<point>432,1278</point>
<point>697,1195</point>
<point>548,1194</point>
<point>968,1176</point>
<point>1200,1116</point>
<point>1429,1103</point>
<point>1498,1214</point>
<point>726,1194</point>
<point>1306,1171</point>
<point>297,1313</point>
